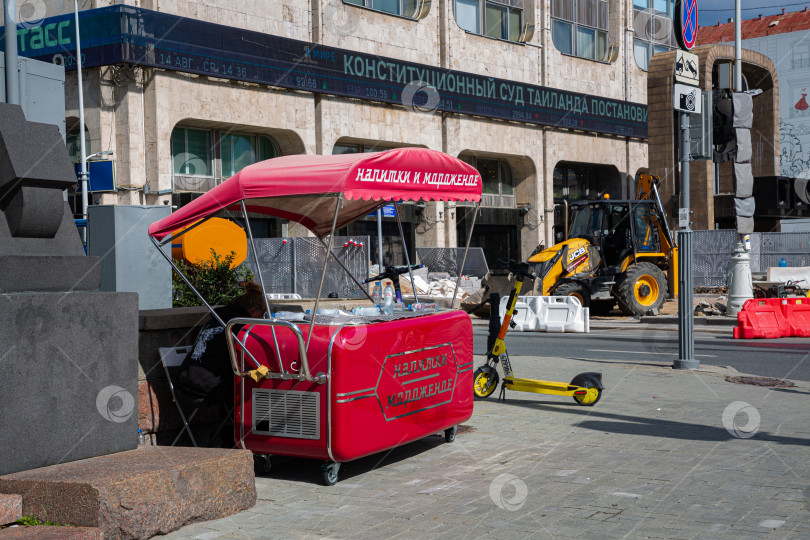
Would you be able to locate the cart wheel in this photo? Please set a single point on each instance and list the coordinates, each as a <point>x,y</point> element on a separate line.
<point>330,473</point>
<point>450,434</point>
<point>261,464</point>
<point>485,381</point>
<point>592,395</point>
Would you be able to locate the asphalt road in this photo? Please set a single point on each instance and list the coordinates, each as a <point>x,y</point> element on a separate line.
<point>780,358</point>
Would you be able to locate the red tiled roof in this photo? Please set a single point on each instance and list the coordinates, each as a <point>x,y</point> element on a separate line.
<point>754,28</point>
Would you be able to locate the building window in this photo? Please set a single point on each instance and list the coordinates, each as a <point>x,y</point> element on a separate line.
<point>237,151</point>
<point>498,181</point>
<point>403,8</point>
<point>653,29</point>
<point>801,56</point>
<point>580,28</point>
<point>191,152</point>
<point>194,154</point>
<point>581,182</point>
<point>499,19</point>
<point>350,148</point>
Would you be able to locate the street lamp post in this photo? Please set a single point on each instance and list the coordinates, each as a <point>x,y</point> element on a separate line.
<point>12,70</point>
<point>739,287</point>
<point>81,119</point>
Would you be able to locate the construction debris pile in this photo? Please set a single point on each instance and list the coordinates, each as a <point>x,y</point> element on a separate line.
<point>707,308</point>
<point>438,284</point>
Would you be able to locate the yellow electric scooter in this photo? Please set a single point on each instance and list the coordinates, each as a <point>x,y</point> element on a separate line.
<point>585,388</point>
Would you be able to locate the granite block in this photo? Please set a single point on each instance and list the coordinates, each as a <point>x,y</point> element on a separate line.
<point>10,508</point>
<point>139,493</point>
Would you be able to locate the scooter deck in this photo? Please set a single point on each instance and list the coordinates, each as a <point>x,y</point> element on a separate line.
<point>540,387</point>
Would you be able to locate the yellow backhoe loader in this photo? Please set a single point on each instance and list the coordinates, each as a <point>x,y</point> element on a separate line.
<point>614,251</point>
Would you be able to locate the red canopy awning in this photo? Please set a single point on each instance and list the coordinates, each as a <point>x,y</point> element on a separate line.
<point>304,188</point>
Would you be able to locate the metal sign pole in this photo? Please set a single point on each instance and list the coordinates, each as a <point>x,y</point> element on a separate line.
<point>686,323</point>
<point>83,181</point>
<point>379,242</point>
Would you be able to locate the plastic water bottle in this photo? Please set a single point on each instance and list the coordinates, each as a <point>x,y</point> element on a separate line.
<point>376,294</point>
<point>782,263</point>
<point>141,438</point>
<point>388,300</point>
<point>289,315</point>
<point>428,308</point>
<point>366,311</point>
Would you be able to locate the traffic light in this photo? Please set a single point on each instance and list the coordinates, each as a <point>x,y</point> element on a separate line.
<point>723,132</point>
<point>732,119</point>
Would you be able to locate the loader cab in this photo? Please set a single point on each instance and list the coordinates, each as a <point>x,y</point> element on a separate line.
<point>619,229</point>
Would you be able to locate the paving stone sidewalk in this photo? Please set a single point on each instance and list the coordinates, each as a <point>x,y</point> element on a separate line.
<point>653,459</point>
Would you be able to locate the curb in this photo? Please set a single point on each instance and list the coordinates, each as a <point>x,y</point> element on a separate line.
<point>699,321</point>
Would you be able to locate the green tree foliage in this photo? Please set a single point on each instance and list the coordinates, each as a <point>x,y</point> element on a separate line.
<point>215,280</point>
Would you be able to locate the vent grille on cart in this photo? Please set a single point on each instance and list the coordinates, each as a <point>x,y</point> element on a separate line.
<point>285,413</point>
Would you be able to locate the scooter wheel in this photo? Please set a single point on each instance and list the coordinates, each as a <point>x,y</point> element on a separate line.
<point>593,394</point>
<point>330,473</point>
<point>450,434</point>
<point>485,381</point>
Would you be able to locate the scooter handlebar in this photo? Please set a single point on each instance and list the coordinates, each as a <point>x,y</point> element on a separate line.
<point>392,272</point>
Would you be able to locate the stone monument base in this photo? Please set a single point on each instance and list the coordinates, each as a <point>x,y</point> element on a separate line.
<point>69,364</point>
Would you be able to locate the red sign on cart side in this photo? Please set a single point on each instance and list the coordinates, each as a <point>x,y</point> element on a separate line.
<point>415,381</point>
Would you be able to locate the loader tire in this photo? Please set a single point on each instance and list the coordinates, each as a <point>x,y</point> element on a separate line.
<point>573,289</point>
<point>642,289</point>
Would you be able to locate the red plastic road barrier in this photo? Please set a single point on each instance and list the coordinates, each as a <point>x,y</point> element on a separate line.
<point>761,318</point>
<point>797,315</point>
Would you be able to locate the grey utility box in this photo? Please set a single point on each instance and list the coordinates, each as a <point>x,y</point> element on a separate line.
<point>129,260</point>
<point>42,91</point>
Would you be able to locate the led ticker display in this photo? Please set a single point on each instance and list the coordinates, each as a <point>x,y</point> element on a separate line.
<point>125,34</point>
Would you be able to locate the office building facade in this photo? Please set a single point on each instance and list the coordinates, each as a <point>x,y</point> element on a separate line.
<point>546,99</point>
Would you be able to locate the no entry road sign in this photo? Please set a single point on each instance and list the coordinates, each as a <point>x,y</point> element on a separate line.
<point>687,20</point>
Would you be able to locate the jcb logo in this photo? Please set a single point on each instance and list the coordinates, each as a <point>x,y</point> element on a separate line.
<point>577,253</point>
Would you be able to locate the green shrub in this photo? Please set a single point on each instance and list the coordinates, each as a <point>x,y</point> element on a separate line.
<point>214,279</point>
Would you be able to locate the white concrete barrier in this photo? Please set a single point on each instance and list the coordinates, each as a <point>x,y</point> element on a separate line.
<point>548,314</point>
<point>784,274</point>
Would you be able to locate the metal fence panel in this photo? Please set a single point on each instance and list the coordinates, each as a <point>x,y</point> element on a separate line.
<point>276,261</point>
<point>712,257</point>
<point>794,247</point>
<point>713,249</point>
<point>295,266</point>
<point>449,260</point>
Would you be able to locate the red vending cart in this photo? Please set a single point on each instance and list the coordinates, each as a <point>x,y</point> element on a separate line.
<point>337,388</point>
